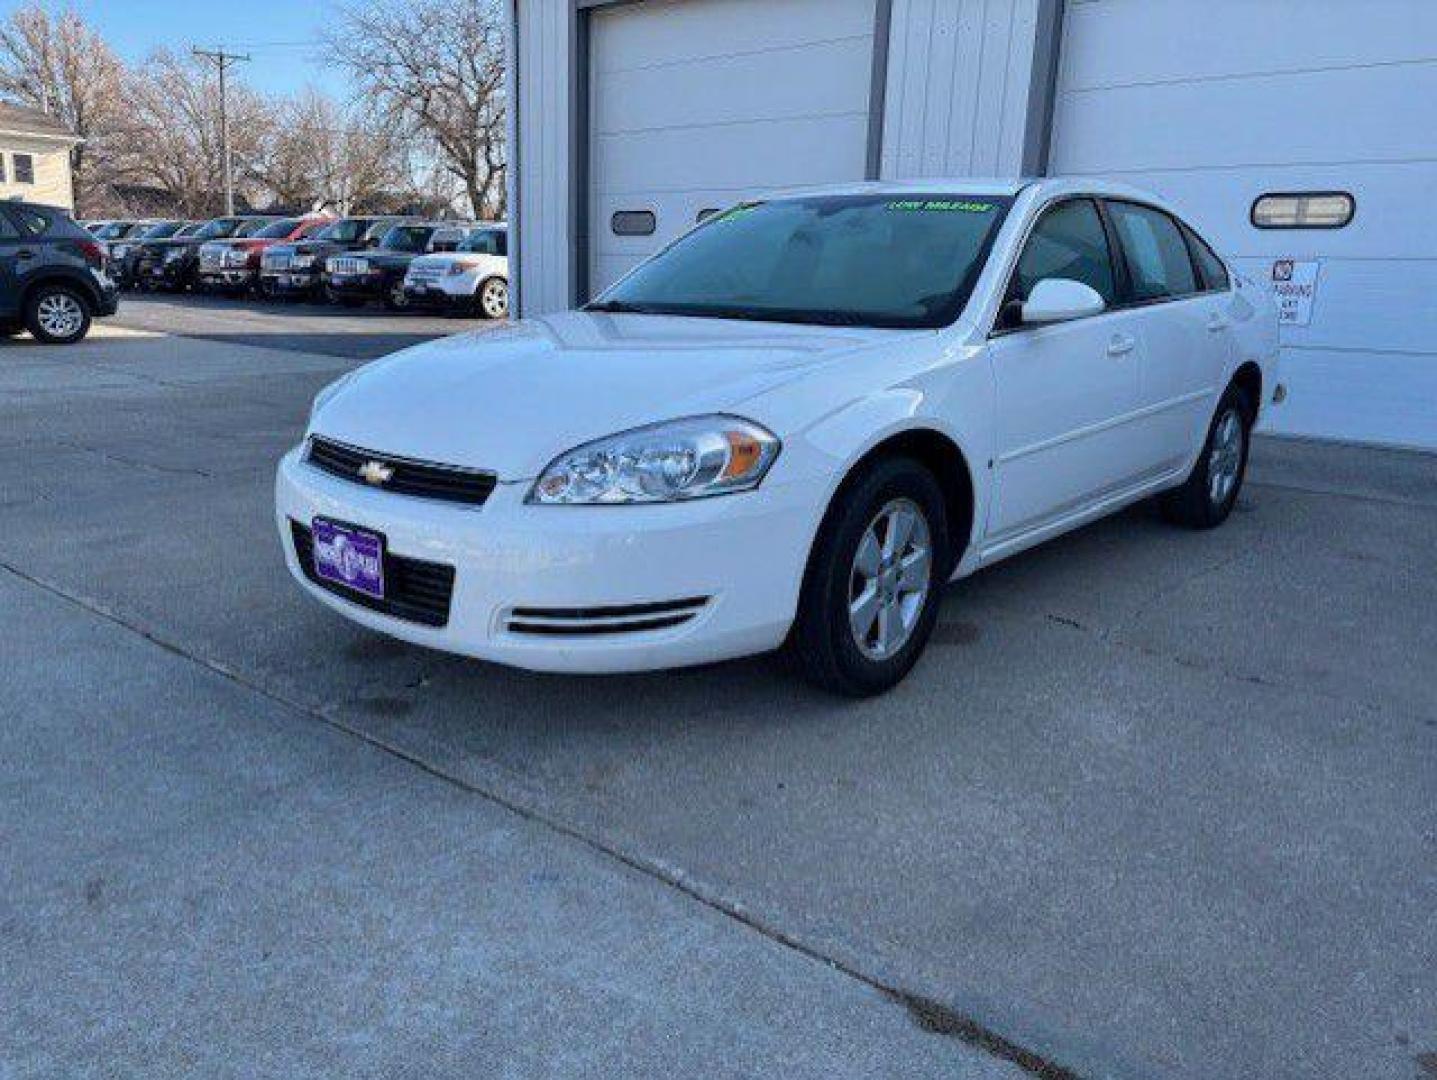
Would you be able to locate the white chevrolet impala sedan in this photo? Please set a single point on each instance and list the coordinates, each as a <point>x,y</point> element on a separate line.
<point>790,428</point>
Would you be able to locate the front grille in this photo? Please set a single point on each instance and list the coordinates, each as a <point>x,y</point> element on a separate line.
<point>600,621</point>
<point>415,591</point>
<point>274,262</point>
<point>406,477</point>
<point>347,264</point>
<point>210,258</point>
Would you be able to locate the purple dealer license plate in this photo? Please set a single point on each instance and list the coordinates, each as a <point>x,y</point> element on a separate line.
<point>350,557</point>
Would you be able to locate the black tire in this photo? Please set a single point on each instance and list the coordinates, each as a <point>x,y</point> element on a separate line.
<point>491,299</point>
<point>1208,495</point>
<point>57,314</point>
<point>395,298</point>
<point>824,643</point>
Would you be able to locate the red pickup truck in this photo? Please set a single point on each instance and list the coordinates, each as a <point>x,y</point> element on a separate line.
<point>233,265</point>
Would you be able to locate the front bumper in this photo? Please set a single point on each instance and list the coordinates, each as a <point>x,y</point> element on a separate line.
<point>435,295</point>
<point>744,554</point>
<point>236,278</point>
<point>356,286</point>
<point>289,282</point>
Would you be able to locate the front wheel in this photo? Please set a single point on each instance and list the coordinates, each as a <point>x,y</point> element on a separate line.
<point>871,592</point>
<point>57,315</point>
<point>396,299</point>
<point>1208,495</point>
<point>494,298</point>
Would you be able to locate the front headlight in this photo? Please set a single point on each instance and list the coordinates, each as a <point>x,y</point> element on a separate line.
<point>682,459</point>
<point>119,251</point>
<point>301,262</point>
<point>462,267</point>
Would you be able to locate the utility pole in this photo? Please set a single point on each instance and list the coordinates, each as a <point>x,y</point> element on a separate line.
<point>224,60</point>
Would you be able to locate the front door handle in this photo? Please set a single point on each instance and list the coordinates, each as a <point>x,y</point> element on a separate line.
<point>1217,324</point>
<point>1121,345</point>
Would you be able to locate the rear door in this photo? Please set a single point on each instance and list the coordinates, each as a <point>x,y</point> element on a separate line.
<point>1067,393</point>
<point>1185,335</point>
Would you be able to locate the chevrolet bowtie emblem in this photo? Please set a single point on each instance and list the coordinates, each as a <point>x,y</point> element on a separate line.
<point>376,473</point>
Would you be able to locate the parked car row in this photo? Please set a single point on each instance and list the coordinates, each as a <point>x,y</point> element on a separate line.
<point>457,266</point>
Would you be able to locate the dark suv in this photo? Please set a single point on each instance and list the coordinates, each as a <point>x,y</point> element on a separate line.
<point>52,275</point>
<point>175,263</point>
<point>297,270</point>
<point>352,280</point>
<point>125,254</point>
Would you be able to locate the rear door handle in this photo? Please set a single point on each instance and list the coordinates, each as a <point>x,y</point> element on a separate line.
<point>1121,345</point>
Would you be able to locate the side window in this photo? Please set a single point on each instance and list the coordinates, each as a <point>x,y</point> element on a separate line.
<point>24,169</point>
<point>32,221</point>
<point>1068,242</point>
<point>501,243</point>
<point>1157,255</point>
<point>7,229</point>
<point>1214,273</point>
<point>3,177</point>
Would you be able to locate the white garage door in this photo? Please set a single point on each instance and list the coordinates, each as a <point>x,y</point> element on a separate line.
<point>1214,105</point>
<point>695,104</point>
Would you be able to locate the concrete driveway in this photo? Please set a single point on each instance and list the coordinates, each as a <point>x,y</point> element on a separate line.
<point>1156,804</point>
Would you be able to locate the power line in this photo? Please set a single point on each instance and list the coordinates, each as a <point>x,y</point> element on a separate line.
<point>224,60</point>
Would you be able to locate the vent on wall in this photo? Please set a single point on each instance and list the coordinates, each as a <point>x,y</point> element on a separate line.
<point>1303,210</point>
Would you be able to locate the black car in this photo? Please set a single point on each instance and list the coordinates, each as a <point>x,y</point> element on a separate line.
<point>174,264</point>
<point>52,275</point>
<point>125,254</point>
<point>379,274</point>
<point>297,270</point>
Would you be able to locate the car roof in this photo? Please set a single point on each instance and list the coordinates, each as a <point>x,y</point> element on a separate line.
<point>997,187</point>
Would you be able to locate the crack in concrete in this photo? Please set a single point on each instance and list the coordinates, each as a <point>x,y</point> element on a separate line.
<point>928,1014</point>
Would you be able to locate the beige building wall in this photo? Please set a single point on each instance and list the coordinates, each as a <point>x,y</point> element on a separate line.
<point>52,184</point>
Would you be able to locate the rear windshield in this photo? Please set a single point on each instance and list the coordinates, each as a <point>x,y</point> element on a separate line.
<point>407,238</point>
<point>485,242</point>
<point>854,260</point>
<point>114,230</point>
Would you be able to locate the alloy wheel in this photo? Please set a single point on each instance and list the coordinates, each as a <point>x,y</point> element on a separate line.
<point>494,299</point>
<point>1225,457</point>
<point>890,579</point>
<point>60,315</point>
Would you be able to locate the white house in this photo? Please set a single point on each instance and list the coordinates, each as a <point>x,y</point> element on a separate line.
<point>1296,133</point>
<point>35,156</point>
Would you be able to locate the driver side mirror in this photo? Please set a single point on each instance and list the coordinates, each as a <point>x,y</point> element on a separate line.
<point>1060,300</point>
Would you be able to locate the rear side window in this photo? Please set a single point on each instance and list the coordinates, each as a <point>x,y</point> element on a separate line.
<point>32,222</point>
<point>1157,255</point>
<point>1210,267</point>
<point>1068,242</point>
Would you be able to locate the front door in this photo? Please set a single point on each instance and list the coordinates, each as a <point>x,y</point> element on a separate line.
<point>1066,392</point>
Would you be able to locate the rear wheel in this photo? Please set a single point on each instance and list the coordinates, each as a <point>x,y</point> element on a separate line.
<point>1208,495</point>
<point>494,298</point>
<point>871,593</point>
<point>57,315</point>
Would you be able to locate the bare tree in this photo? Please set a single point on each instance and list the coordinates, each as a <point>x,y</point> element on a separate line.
<point>172,132</point>
<point>322,154</point>
<point>436,68</point>
<point>59,64</point>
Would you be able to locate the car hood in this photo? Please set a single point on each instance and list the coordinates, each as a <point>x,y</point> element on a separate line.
<point>391,260</point>
<point>511,400</point>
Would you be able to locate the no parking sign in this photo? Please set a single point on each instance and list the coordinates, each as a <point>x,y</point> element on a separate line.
<point>1294,287</point>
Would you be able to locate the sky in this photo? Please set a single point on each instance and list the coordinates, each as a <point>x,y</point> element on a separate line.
<point>281,35</point>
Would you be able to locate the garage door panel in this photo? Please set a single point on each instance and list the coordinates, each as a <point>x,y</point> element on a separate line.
<point>1237,37</point>
<point>763,153</point>
<point>671,33</point>
<point>1285,119</point>
<point>821,84</point>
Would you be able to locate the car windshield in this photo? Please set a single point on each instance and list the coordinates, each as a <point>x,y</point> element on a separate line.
<point>219,228</point>
<point>114,230</point>
<point>161,230</point>
<point>408,238</point>
<point>483,242</point>
<point>346,231</point>
<point>256,226</point>
<point>854,260</point>
<point>278,230</point>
